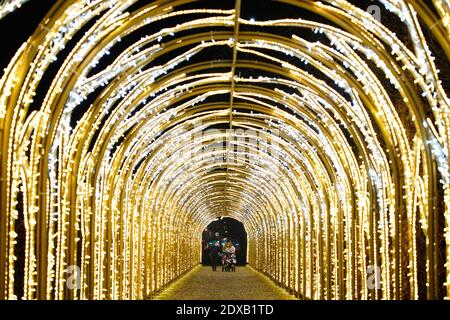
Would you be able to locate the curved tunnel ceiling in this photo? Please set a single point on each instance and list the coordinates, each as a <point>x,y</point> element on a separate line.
<point>322,125</point>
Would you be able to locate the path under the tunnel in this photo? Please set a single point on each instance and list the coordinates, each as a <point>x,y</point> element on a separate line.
<point>203,284</point>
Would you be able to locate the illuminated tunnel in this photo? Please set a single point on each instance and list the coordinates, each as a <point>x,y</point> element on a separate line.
<point>127,126</point>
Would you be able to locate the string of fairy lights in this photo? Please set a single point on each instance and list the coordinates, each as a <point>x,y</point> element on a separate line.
<point>333,153</point>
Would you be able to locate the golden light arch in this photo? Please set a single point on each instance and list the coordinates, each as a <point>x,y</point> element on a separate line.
<point>333,152</point>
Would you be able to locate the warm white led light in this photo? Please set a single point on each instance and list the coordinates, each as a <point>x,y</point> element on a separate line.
<point>333,153</point>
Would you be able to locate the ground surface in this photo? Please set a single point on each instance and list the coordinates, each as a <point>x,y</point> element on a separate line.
<point>204,284</point>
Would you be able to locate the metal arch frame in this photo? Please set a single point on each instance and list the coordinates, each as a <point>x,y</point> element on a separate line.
<point>102,178</point>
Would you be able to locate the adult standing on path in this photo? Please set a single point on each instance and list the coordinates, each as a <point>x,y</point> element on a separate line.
<point>214,254</point>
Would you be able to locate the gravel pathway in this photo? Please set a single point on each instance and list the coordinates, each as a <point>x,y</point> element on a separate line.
<point>203,284</point>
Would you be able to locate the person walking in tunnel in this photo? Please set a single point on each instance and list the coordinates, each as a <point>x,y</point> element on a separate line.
<point>229,257</point>
<point>213,254</point>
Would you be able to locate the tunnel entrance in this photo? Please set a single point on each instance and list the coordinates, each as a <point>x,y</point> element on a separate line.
<point>223,229</point>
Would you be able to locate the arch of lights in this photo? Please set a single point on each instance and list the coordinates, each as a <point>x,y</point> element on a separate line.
<point>336,158</point>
